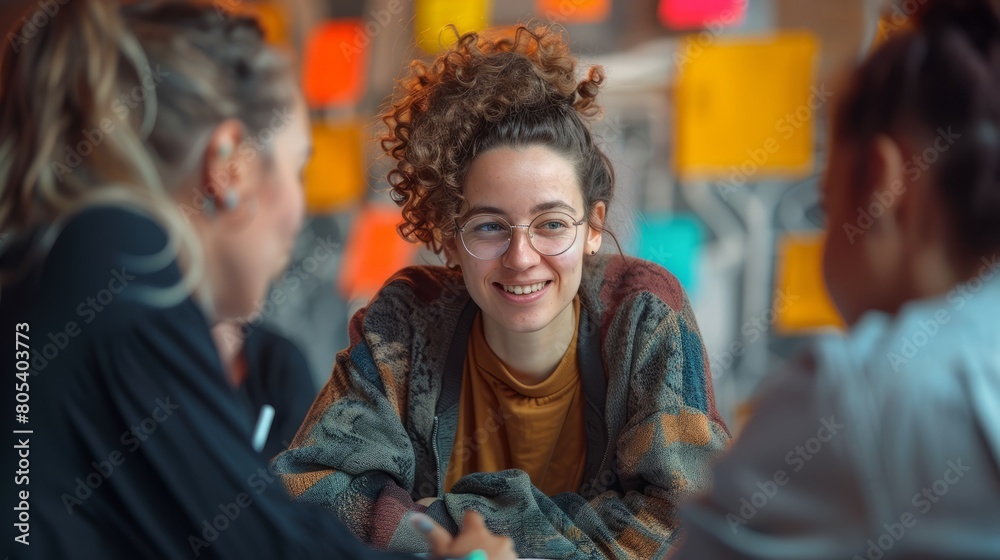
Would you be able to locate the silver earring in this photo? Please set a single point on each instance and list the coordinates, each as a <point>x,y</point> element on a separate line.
<point>224,150</point>
<point>231,199</point>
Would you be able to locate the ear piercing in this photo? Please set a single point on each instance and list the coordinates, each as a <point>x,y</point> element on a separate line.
<point>230,200</point>
<point>594,252</point>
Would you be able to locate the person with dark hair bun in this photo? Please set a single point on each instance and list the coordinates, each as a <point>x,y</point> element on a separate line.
<point>885,443</point>
<point>150,186</point>
<point>562,393</point>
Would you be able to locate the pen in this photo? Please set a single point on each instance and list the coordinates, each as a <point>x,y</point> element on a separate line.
<point>263,427</point>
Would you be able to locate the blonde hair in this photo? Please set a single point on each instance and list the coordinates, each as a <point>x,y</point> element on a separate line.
<point>113,105</point>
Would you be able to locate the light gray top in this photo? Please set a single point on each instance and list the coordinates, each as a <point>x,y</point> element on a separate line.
<point>884,443</point>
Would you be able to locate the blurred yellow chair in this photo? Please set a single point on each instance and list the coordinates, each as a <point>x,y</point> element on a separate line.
<point>802,303</point>
<point>745,109</point>
<point>334,178</point>
<point>432,16</point>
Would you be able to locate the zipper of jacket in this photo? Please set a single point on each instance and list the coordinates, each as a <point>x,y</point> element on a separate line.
<point>437,456</point>
<point>604,459</point>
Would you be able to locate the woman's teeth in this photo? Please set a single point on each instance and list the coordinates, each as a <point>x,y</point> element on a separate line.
<point>519,290</point>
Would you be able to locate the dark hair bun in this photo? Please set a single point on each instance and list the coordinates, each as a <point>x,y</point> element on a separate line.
<point>939,84</point>
<point>977,20</point>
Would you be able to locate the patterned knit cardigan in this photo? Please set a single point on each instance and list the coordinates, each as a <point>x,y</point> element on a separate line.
<point>380,434</point>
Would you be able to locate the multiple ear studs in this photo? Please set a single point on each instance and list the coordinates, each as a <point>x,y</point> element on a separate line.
<point>230,198</point>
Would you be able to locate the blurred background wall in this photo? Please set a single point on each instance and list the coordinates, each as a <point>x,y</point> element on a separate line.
<point>716,117</point>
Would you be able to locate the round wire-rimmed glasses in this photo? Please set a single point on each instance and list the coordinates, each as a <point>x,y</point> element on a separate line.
<point>488,236</point>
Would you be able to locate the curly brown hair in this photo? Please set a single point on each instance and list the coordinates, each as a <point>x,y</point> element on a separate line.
<point>510,89</point>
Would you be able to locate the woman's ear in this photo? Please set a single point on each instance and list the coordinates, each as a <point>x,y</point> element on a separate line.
<point>885,189</point>
<point>226,179</point>
<point>595,232</point>
<point>901,194</point>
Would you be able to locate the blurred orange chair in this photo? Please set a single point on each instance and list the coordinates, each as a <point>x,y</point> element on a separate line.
<point>575,11</point>
<point>374,252</point>
<point>335,64</point>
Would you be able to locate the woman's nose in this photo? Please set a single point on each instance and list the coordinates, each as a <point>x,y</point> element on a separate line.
<point>521,254</point>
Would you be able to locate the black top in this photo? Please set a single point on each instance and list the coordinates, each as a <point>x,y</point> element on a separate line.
<point>277,374</point>
<point>140,448</point>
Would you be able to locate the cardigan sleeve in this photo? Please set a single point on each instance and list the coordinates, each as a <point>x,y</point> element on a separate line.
<point>352,455</point>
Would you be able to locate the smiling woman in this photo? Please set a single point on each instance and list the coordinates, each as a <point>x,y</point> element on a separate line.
<point>181,203</point>
<point>565,394</point>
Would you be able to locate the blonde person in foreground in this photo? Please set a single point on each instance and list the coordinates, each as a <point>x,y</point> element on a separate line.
<point>563,393</point>
<point>178,205</point>
<point>885,443</point>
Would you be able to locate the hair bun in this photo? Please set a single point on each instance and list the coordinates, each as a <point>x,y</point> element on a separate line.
<point>500,79</point>
<point>977,20</point>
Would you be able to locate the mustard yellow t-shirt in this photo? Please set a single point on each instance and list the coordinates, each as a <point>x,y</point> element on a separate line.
<point>504,424</point>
